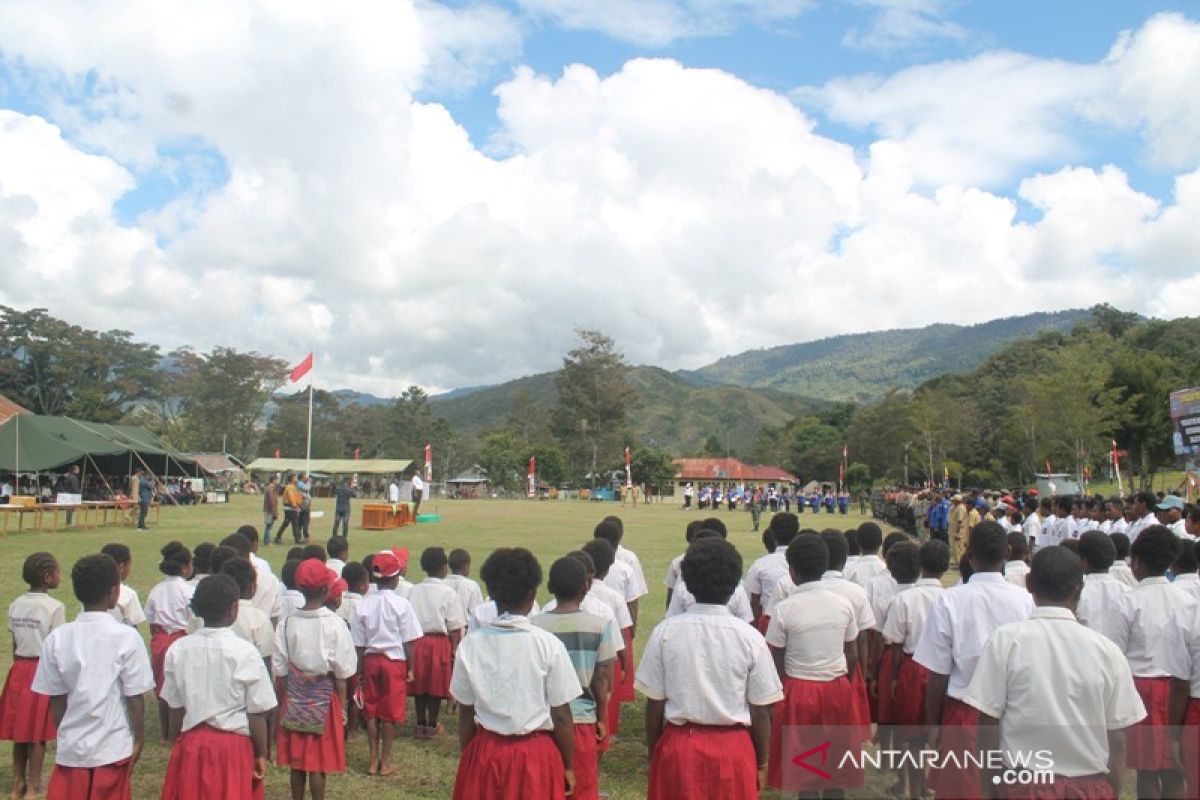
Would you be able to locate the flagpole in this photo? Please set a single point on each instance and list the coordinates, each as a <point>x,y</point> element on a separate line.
<point>308,441</point>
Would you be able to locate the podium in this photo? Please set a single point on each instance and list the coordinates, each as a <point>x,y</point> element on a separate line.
<point>385,516</point>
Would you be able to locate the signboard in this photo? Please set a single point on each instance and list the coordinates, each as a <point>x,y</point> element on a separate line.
<point>1185,417</point>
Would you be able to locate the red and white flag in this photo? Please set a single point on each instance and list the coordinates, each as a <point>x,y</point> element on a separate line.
<point>277,452</point>
<point>428,464</point>
<point>533,476</point>
<point>845,452</point>
<point>628,468</point>
<point>302,369</point>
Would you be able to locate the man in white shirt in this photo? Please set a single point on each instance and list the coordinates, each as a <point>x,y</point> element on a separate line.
<point>1102,593</point>
<point>1080,714</point>
<point>1032,526</point>
<point>1170,513</point>
<point>418,491</point>
<point>1143,514</point>
<point>1114,512</point>
<point>958,626</point>
<point>1055,528</point>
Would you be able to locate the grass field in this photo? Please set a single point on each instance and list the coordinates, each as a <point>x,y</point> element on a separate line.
<point>426,769</point>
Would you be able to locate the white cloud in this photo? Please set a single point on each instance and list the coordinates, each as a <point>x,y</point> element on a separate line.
<point>685,211</point>
<point>901,24</point>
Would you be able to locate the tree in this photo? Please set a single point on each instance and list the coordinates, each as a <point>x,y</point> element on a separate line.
<point>288,427</point>
<point>410,424</point>
<point>594,395</point>
<point>858,478</point>
<point>651,467</point>
<point>500,457</point>
<point>713,448</point>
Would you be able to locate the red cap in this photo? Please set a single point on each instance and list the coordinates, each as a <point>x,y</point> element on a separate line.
<point>384,564</point>
<point>313,574</point>
<point>1034,492</point>
<point>401,554</point>
<point>337,588</point>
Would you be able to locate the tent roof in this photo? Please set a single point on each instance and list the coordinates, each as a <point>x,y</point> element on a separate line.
<point>707,469</point>
<point>332,466</point>
<point>34,443</point>
<point>214,463</point>
<point>9,409</point>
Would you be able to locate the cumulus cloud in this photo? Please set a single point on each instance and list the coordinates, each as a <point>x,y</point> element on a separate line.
<point>685,211</point>
<point>903,24</point>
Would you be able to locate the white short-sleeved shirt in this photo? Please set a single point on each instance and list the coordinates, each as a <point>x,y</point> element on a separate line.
<point>709,667</point>
<point>168,604</point>
<point>251,625</point>
<point>1032,528</point>
<point>436,605</point>
<point>908,611</point>
<point>1118,526</point>
<point>880,591</point>
<point>96,662</point>
<point>620,579</point>
<point>866,568</point>
<point>848,567</point>
<point>1138,525</point>
<point>857,595</point>
<point>1183,656</point>
<point>1099,603</point>
<point>1190,583</point>
<point>1016,572</point>
<point>1091,694</point>
<point>603,594</point>
<point>596,607</point>
<point>672,577</point>
<point>739,603</point>
<point>31,617</point>
<point>486,611</point>
<point>290,601</point>
<point>217,678</point>
<point>1123,574</point>
<point>268,590</point>
<point>513,673</point>
<point>336,565</point>
<point>316,643</point>
<point>630,559</point>
<point>960,622</point>
<point>469,593</point>
<point>350,602</point>
<point>128,610</point>
<point>763,576</point>
<point>383,622</point>
<point>812,628</point>
<point>404,587</point>
<point>1141,626</point>
<point>1054,531</point>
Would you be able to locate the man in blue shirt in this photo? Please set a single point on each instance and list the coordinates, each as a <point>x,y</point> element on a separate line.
<point>145,497</point>
<point>939,517</point>
<point>341,511</point>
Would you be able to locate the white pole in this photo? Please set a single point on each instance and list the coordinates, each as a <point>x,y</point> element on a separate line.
<point>308,442</point>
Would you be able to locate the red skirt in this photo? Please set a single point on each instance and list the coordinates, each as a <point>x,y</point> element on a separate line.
<point>385,688</point>
<point>762,623</point>
<point>1148,743</point>
<point>587,763</point>
<point>862,703</point>
<point>960,728</point>
<point>160,643</point>
<point>623,691</point>
<point>207,763</point>
<point>25,716</point>
<point>1088,787</point>
<point>308,752</point>
<point>110,782</point>
<point>813,712</point>
<point>612,714</point>
<point>700,762</point>
<point>495,767</point>
<point>907,705</point>
<point>883,681</point>
<point>433,660</point>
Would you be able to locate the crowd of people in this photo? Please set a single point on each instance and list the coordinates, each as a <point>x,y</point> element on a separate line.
<point>766,498</point>
<point>846,632</point>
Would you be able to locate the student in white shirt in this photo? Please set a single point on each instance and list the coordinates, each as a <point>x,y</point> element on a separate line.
<point>959,623</point>
<point>1100,601</point>
<point>442,622</point>
<point>338,550</point>
<point>765,573</point>
<point>709,683</point>
<point>1143,515</point>
<point>869,564</point>
<point>903,557</point>
<point>672,576</point>
<point>1080,713</point>
<point>219,692</point>
<point>1017,568</point>
<point>268,590</point>
<point>682,599</point>
<point>1120,568</point>
<point>1142,632</point>
<point>622,576</point>
<point>291,599</point>
<point>1183,662</point>
<point>25,718</point>
<point>514,684</point>
<point>853,554</point>
<point>812,636</point>
<point>168,612</point>
<point>834,577</point>
<point>384,630</point>
<point>1055,527</point>
<point>603,557</point>
<point>201,563</point>
<point>907,680</point>
<point>1184,569</point>
<point>1114,512</point>
<point>393,491</point>
<point>96,672</point>
<point>1032,526</point>
<point>251,624</point>
<point>357,583</point>
<point>128,610</point>
<point>469,593</point>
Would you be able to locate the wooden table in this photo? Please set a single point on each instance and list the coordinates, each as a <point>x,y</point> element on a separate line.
<point>385,516</point>
<point>21,511</point>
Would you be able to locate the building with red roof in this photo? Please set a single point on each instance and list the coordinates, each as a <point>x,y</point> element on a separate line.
<point>728,472</point>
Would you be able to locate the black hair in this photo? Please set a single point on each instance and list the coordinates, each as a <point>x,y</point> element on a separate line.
<point>433,560</point>
<point>870,537</point>
<point>904,561</point>
<point>213,598</point>
<point>243,574</point>
<point>715,524</point>
<point>785,525</point>
<point>1121,543</point>
<point>288,573</point>
<point>852,545</point>
<point>705,533</point>
<point>1031,504</point>
<point>768,539</point>
<point>1062,503</point>
<point>237,544</point>
<point>1156,548</point>
<point>314,551</point>
<point>808,556</point>
<point>1018,546</point>
<point>568,576</point>
<point>458,560</point>
<point>691,529</point>
<point>249,533</point>
<point>988,544</point>
<point>1187,561</point>
<point>202,558</point>
<point>38,569</point>
<point>93,577</point>
<point>965,570</point>
<point>615,520</point>
<point>1097,550</point>
<point>609,532</point>
<point>1149,499</point>
<point>935,557</point>
<point>511,575</point>
<point>367,560</point>
<point>222,556</point>
<point>603,555</point>
<point>118,552</point>
<point>892,539</point>
<point>712,569</point>
<point>174,558</point>
<point>295,554</point>
<point>1056,574</point>
<point>337,546</point>
<point>836,545</point>
<point>583,558</point>
<point>354,574</point>
<point>1071,544</point>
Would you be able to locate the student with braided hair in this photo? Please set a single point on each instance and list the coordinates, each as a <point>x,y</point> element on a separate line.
<point>25,718</point>
<point>168,612</point>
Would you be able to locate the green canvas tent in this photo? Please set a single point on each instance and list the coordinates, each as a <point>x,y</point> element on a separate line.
<point>34,443</point>
<point>332,466</point>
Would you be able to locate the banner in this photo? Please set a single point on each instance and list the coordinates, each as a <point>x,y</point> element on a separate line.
<point>1185,416</point>
<point>428,464</point>
<point>533,476</point>
<point>301,369</point>
<point>628,469</point>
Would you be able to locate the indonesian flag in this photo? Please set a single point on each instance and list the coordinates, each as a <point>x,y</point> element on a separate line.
<point>1050,478</point>
<point>842,473</point>
<point>845,452</point>
<point>628,468</point>
<point>302,369</point>
<point>532,476</point>
<point>428,464</point>
<point>1116,456</point>
<point>277,452</point>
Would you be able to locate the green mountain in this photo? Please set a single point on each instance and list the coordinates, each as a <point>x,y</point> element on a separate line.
<point>671,412</point>
<point>861,367</point>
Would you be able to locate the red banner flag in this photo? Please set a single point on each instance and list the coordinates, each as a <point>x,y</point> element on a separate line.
<point>628,468</point>
<point>428,464</point>
<point>532,476</point>
<point>302,369</point>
